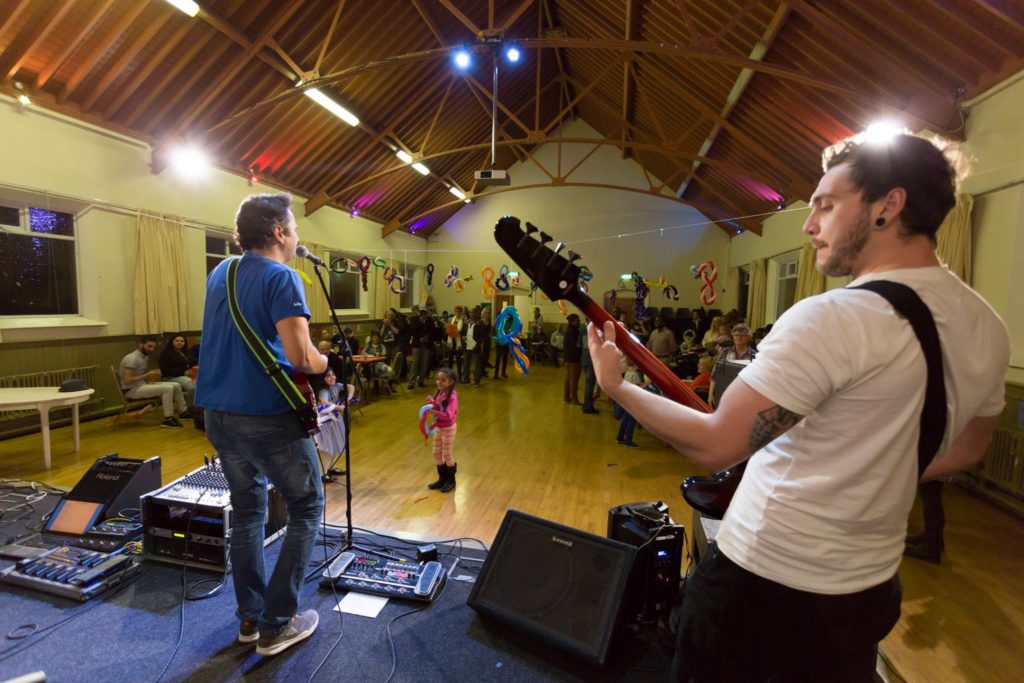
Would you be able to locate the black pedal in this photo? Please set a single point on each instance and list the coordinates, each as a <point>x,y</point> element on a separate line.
<point>381,576</point>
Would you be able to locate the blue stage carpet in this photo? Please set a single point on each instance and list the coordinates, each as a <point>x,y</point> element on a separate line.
<point>130,633</point>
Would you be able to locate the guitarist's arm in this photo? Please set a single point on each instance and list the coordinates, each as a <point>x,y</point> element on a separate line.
<point>298,347</point>
<point>744,422</point>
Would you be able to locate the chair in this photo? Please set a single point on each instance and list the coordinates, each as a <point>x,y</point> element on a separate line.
<point>133,408</point>
<point>399,356</point>
<point>667,313</point>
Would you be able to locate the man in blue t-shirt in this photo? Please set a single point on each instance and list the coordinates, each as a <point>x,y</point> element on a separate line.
<point>256,432</point>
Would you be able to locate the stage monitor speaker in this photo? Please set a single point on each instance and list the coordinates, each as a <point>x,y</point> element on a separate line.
<point>557,583</point>
<point>118,483</point>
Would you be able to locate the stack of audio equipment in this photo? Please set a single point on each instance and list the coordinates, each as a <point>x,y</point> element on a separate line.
<point>189,520</point>
<point>654,581</point>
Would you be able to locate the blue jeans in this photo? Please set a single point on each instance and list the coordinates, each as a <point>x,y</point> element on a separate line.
<point>253,449</point>
<point>474,366</point>
<point>626,424</point>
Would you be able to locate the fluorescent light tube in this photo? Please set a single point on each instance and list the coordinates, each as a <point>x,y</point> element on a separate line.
<point>332,106</point>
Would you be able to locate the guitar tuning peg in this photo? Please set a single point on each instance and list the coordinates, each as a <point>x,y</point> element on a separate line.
<point>545,238</point>
<point>531,228</point>
<point>573,256</point>
<point>559,247</point>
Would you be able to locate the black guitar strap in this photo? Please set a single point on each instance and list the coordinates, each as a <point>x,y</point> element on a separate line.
<point>259,350</point>
<point>933,416</point>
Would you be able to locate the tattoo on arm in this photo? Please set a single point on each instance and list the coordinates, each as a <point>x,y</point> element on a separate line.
<point>770,424</point>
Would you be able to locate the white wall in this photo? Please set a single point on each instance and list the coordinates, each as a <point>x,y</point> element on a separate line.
<point>52,154</point>
<point>589,221</point>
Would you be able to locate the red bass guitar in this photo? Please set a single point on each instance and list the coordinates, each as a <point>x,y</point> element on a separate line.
<point>558,276</point>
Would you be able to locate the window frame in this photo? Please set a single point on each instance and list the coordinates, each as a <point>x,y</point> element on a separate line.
<point>24,229</point>
<point>364,296</point>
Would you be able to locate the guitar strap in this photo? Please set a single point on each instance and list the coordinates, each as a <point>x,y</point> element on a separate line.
<point>933,416</point>
<point>259,350</point>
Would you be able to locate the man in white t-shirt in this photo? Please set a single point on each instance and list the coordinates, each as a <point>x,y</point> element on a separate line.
<point>801,583</point>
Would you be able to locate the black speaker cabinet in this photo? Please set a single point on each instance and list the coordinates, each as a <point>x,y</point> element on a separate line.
<point>559,584</point>
<point>118,483</point>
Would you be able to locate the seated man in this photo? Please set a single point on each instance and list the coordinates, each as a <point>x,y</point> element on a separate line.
<point>137,382</point>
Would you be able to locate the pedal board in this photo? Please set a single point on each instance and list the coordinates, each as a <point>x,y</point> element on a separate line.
<point>71,572</point>
<point>391,578</point>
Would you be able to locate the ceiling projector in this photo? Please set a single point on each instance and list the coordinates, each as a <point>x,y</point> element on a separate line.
<point>492,177</point>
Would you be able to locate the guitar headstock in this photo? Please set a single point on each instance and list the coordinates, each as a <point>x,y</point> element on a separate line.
<point>556,275</point>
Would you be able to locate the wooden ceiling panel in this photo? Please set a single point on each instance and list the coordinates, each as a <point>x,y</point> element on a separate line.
<point>660,79</point>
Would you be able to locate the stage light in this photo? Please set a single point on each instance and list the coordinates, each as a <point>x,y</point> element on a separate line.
<point>512,54</point>
<point>187,6</point>
<point>354,212</point>
<point>189,161</point>
<point>332,106</point>
<point>253,178</point>
<point>24,100</point>
<point>881,132</point>
<point>781,205</point>
<point>422,169</point>
<point>462,59</point>
<point>457,192</point>
<point>405,157</point>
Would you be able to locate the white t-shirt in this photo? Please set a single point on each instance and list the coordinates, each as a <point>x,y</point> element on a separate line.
<point>824,507</point>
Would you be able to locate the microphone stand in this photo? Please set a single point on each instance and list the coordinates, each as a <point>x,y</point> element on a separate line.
<point>346,356</point>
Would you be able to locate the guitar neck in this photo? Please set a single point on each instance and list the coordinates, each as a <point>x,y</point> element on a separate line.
<point>670,385</point>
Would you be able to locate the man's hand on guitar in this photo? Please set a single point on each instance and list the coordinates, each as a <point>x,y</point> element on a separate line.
<point>605,356</point>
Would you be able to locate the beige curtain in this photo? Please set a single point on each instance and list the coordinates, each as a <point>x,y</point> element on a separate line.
<point>381,296</point>
<point>954,238</point>
<point>318,310</point>
<point>809,280</point>
<point>757,292</point>
<point>160,294</point>
<point>732,286</point>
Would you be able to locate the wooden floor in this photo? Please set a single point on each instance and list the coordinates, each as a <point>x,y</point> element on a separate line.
<point>519,446</point>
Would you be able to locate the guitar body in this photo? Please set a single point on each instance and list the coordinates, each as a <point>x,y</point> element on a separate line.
<point>308,412</point>
<point>558,277</point>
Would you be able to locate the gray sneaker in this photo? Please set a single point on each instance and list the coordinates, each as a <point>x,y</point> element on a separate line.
<point>298,629</point>
<point>171,423</point>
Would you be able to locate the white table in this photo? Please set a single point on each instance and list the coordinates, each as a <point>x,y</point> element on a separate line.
<point>43,399</point>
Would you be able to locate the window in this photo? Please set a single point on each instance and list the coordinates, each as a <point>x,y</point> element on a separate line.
<point>347,287</point>
<point>218,248</point>
<point>38,262</point>
<point>786,289</point>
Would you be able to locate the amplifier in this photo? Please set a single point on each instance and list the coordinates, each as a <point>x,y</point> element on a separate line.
<point>71,572</point>
<point>384,576</point>
<point>654,581</point>
<point>189,520</point>
<point>117,483</point>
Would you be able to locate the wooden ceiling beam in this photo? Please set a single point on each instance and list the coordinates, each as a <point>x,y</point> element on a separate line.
<point>292,64</point>
<point>466,21</point>
<point>582,93</point>
<point>437,113</point>
<point>327,38</point>
<point>124,21</point>
<point>97,12</point>
<point>690,25</point>
<point>991,36</point>
<point>128,54</point>
<point>559,58</point>
<point>474,83</point>
<point>140,76</point>
<point>15,14</point>
<point>514,16</point>
<point>39,28</point>
<point>517,149</point>
<point>154,117</point>
<point>630,32</point>
<point>429,21</point>
<point>224,26</point>
<point>229,73</point>
<point>1004,11</point>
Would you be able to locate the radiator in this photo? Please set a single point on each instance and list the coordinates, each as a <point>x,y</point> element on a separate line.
<point>50,378</point>
<point>1004,463</point>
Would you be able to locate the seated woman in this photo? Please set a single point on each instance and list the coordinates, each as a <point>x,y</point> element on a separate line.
<point>380,369</point>
<point>175,365</point>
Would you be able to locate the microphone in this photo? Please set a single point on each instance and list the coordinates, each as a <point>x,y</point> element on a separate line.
<point>302,252</point>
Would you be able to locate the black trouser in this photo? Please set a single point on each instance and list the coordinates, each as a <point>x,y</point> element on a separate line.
<point>455,359</point>
<point>501,352</point>
<point>474,364</point>
<point>737,626</point>
<point>934,514</point>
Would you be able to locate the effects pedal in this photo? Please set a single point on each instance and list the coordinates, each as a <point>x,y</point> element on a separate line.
<point>71,572</point>
<point>381,576</point>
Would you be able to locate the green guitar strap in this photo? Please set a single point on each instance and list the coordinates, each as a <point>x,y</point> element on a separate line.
<point>259,350</point>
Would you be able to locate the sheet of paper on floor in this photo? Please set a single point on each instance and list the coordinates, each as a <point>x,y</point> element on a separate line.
<point>361,604</point>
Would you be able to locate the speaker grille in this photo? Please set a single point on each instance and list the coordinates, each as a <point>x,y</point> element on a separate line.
<point>560,583</point>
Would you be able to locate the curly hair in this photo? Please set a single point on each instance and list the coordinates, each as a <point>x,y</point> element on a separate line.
<point>257,215</point>
<point>915,164</point>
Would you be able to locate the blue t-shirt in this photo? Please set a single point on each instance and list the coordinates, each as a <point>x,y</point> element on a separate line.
<point>230,377</point>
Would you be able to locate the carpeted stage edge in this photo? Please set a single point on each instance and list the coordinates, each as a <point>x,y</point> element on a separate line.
<point>129,633</point>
